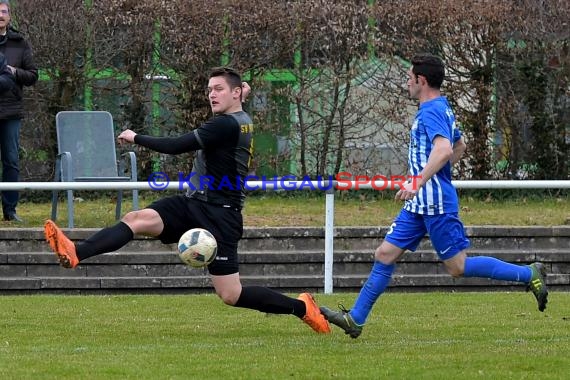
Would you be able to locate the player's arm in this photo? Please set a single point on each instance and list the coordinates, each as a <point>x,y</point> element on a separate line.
<point>440,155</point>
<point>459,148</point>
<point>218,131</point>
<point>245,90</point>
<point>169,145</point>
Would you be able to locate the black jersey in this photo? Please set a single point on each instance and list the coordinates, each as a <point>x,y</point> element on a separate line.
<point>224,151</point>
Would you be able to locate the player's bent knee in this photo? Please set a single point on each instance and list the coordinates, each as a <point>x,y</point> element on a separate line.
<point>456,265</point>
<point>146,221</point>
<point>454,271</point>
<point>379,254</point>
<point>228,288</point>
<point>132,217</point>
<point>228,296</point>
<point>387,254</point>
<point>457,274</point>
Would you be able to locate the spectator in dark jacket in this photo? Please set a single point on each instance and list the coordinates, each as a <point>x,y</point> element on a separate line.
<point>20,63</point>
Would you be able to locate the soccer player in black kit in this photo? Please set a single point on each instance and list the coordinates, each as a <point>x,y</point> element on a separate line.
<point>223,147</point>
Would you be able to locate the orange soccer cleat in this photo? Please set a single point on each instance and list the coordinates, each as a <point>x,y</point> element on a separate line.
<point>313,316</point>
<point>61,245</point>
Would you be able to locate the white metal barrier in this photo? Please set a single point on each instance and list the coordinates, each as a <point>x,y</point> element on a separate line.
<point>175,185</point>
<point>290,185</point>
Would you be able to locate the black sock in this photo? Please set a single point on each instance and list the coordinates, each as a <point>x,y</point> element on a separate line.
<point>269,301</point>
<point>107,240</point>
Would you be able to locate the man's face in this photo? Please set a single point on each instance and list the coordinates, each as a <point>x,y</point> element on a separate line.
<point>4,17</point>
<point>222,97</point>
<point>414,84</point>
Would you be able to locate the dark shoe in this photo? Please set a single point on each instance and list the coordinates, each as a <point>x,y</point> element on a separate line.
<point>343,320</point>
<point>537,285</point>
<point>13,217</point>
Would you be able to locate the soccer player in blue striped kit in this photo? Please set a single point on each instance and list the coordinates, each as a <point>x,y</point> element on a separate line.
<point>431,206</point>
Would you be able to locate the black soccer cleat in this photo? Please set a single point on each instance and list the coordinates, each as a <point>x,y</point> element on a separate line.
<point>537,285</point>
<point>343,320</point>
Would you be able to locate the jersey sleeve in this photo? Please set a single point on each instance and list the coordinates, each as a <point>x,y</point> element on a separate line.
<point>456,134</point>
<point>437,125</point>
<point>218,131</point>
<point>169,145</point>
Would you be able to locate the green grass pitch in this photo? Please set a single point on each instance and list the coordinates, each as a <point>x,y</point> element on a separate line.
<point>498,335</point>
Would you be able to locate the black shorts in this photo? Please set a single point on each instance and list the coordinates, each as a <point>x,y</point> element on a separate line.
<point>180,213</point>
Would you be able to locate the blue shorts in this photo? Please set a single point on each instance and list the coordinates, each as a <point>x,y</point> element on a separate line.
<point>445,232</point>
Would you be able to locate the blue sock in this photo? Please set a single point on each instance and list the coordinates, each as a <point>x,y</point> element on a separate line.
<point>490,267</point>
<point>377,282</point>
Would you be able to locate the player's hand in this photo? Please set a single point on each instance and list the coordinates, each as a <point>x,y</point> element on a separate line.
<point>245,90</point>
<point>407,191</point>
<point>127,136</point>
<point>12,69</point>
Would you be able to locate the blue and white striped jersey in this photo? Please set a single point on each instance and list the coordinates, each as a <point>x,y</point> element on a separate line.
<point>438,196</point>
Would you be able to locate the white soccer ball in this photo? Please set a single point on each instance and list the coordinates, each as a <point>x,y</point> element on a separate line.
<point>197,247</point>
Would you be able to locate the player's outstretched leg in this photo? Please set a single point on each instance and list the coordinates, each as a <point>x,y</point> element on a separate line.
<point>61,245</point>
<point>532,275</point>
<point>537,285</point>
<point>313,316</point>
<point>343,320</point>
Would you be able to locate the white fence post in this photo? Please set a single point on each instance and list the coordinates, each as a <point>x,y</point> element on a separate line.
<point>329,238</point>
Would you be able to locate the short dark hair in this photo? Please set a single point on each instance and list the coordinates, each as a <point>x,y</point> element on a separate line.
<point>232,76</point>
<point>429,66</point>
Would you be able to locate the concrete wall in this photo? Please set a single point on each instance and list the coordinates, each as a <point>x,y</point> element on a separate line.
<point>290,259</point>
